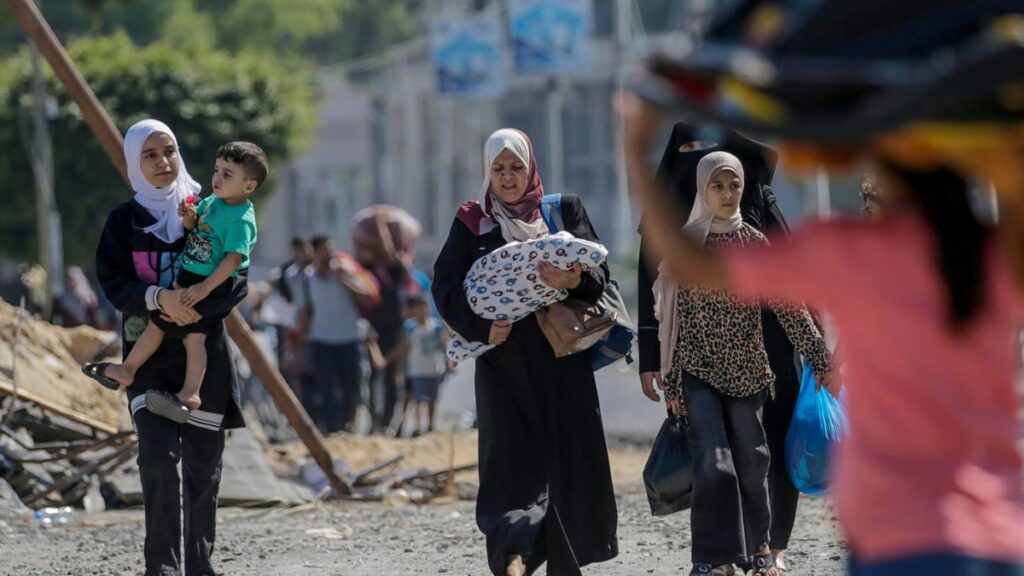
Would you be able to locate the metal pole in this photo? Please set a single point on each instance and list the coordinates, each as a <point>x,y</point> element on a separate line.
<point>103,128</point>
<point>445,201</point>
<point>51,250</point>
<point>624,233</point>
<point>556,150</point>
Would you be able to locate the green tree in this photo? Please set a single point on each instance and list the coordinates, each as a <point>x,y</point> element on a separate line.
<point>321,31</point>
<point>206,100</point>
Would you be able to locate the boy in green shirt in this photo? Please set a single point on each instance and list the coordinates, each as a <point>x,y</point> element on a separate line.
<point>223,233</point>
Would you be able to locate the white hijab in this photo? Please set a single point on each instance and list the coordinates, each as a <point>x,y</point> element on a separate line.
<point>162,203</point>
<point>512,228</point>
<point>701,222</point>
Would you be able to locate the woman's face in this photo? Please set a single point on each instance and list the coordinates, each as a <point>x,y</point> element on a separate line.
<point>509,177</point>
<point>159,161</point>
<point>723,195</point>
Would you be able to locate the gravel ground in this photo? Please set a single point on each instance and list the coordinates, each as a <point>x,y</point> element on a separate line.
<point>434,539</point>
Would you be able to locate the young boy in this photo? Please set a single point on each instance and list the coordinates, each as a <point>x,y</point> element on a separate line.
<point>424,346</point>
<point>223,233</point>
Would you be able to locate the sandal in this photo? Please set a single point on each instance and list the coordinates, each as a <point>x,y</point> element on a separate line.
<point>163,404</point>
<point>764,564</point>
<point>97,371</point>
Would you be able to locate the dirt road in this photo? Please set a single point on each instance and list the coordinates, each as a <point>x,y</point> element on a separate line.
<point>383,541</point>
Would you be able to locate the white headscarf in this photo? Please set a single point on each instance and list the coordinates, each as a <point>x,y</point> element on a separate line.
<point>509,218</point>
<point>702,220</point>
<point>162,203</point>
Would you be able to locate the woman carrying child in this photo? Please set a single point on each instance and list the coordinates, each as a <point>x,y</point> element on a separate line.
<point>545,482</point>
<point>137,264</point>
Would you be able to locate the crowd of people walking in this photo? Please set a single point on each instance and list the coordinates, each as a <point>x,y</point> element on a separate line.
<point>349,334</point>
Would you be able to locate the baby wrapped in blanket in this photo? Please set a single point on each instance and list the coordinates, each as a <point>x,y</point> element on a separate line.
<point>505,284</point>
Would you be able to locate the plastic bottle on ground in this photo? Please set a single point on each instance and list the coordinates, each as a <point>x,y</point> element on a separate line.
<point>55,516</point>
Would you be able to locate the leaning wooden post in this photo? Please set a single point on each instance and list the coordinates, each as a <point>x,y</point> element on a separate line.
<point>39,31</point>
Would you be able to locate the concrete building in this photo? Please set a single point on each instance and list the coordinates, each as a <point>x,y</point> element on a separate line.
<point>386,137</point>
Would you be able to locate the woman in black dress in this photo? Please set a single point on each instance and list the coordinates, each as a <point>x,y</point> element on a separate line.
<point>545,483</point>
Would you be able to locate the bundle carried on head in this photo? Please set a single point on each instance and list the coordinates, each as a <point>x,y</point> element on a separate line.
<point>403,228</point>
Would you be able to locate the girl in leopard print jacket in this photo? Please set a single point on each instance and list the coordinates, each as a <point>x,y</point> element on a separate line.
<point>717,374</point>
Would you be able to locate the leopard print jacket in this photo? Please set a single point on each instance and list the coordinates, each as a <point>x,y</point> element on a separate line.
<point>721,338</point>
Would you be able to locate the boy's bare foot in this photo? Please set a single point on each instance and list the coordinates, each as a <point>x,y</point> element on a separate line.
<point>190,399</point>
<point>120,374</point>
<point>515,566</point>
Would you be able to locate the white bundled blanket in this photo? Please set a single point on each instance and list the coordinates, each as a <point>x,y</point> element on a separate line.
<point>505,284</point>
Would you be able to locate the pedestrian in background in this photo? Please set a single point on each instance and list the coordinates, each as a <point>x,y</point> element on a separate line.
<point>328,325</point>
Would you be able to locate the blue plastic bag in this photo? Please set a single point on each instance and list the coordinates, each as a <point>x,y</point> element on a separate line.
<point>819,422</point>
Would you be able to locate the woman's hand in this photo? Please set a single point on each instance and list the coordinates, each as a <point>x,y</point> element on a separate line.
<point>195,294</point>
<point>560,279</point>
<point>174,310</point>
<point>500,330</point>
<point>831,382</point>
<point>648,381</point>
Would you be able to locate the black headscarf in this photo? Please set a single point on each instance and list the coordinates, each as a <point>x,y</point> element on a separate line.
<point>678,170</point>
<point>678,173</point>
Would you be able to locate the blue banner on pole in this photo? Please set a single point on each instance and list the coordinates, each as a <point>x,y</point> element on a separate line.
<point>551,35</point>
<point>468,56</point>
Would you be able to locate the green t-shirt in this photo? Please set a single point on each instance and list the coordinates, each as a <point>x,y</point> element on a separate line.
<point>221,228</point>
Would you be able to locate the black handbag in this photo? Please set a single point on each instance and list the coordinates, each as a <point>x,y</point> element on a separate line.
<point>668,475</point>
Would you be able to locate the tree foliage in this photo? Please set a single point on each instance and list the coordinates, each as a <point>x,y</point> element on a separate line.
<point>213,71</point>
<point>206,100</point>
<point>320,31</point>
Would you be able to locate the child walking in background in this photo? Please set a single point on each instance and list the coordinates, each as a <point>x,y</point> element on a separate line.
<point>425,342</point>
<point>223,233</point>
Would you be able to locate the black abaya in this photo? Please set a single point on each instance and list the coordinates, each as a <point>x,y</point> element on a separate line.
<point>545,483</point>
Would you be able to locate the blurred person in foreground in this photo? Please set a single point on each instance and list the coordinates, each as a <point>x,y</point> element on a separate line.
<point>926,300</point>
<point>929,479</point>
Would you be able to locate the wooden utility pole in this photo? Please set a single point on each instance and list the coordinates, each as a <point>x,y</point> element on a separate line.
<point>39,31</point>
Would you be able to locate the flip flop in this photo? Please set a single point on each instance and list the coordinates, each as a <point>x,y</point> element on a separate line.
<point>97,371</point>
<point>163,404</point>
